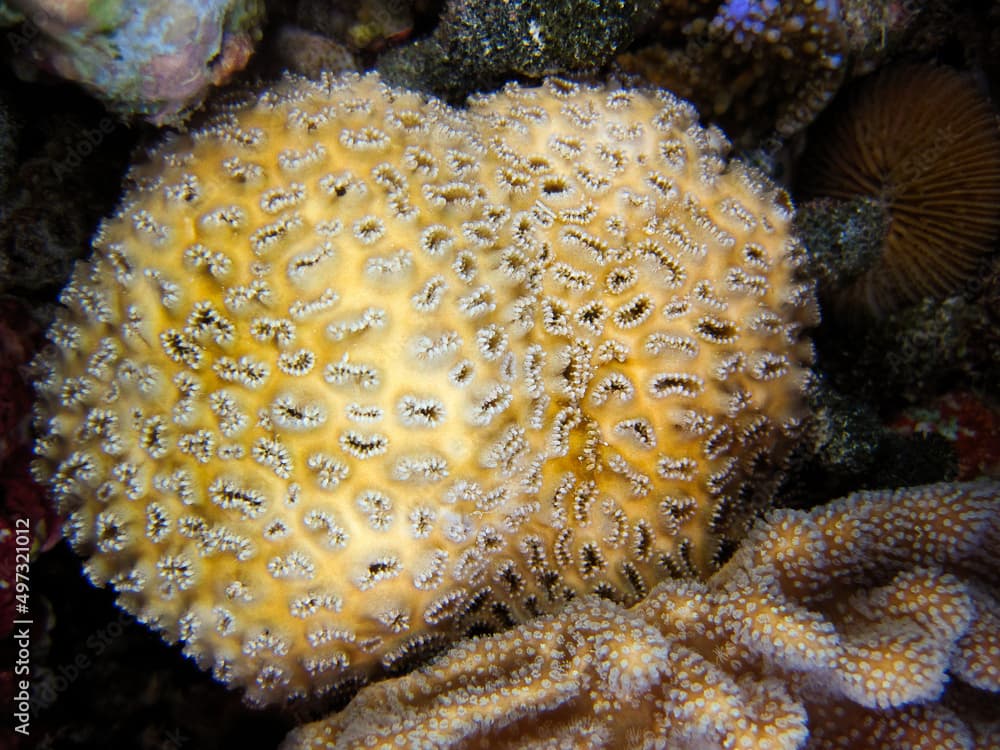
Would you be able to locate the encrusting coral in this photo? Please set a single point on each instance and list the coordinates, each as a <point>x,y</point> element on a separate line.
<point>352,374</point>
<point>848,626</point>
<point>924,142</point>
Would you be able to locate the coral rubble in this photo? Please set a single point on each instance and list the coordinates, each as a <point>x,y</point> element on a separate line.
<point>351,374</point>
<point>848,626</point>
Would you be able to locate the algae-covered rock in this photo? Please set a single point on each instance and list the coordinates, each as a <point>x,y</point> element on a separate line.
<point>478,44</point>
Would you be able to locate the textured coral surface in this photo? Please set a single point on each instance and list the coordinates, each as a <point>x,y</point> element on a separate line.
<point>351,374</point>
<point>836,628</point>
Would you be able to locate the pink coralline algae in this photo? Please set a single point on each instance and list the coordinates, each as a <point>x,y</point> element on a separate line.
<point>969,422</point>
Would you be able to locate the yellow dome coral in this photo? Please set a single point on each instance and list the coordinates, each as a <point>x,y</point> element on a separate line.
<point>352,374</point>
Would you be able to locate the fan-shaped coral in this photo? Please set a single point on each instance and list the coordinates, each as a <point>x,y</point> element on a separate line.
<point>839,627</point>
<point>352,374</point>
<point>924,142</point>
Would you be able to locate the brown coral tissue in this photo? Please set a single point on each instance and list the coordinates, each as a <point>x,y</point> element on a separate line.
<point>924,141</point>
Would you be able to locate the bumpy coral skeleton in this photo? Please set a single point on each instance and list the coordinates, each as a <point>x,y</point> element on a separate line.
<point>351,374</point>
<point>836,628</point>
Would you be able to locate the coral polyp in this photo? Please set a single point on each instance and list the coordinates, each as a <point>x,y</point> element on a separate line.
<point>352,374</point>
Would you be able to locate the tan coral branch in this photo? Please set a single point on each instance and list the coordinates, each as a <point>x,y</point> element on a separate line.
<point>839,627</point>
